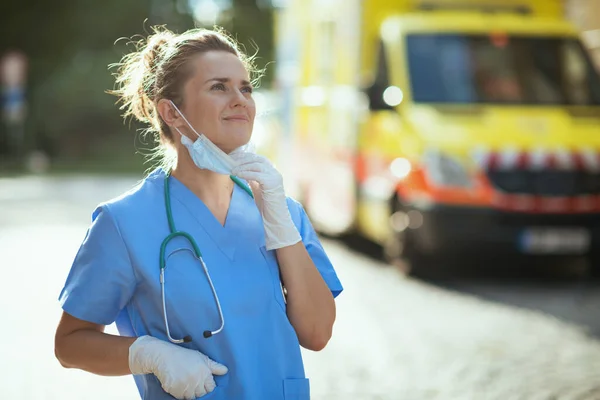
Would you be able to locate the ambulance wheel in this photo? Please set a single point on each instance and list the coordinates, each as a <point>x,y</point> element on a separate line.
<point>399,249</point>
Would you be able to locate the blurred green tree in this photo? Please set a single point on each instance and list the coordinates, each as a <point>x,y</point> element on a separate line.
<point>252,27</point>
<point>69,45</point>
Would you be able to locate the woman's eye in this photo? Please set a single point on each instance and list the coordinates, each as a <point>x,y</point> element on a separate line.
<point>218,86</point>
<point>247,89</point>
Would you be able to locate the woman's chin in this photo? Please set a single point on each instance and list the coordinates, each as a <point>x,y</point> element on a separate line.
<point>237,142</point>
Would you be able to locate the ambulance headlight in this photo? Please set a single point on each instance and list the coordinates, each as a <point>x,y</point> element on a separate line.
<point>443,170</point>
<point>400,168</point>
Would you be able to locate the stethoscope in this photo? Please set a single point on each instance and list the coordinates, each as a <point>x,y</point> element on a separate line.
<point>197,253</point>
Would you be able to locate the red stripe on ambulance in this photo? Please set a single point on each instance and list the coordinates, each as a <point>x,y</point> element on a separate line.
<point>507,159</point>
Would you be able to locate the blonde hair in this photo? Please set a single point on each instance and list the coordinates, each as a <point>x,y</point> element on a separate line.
<point>158,69</point>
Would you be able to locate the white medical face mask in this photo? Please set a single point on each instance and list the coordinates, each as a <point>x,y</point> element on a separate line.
<point>204,153</point>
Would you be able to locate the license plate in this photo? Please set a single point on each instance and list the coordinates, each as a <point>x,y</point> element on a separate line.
<point>555,241</point>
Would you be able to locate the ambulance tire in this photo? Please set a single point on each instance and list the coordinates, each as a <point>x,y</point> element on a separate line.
<point>399,249</point>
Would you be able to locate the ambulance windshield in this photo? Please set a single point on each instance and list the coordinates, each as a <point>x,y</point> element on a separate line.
<point>541,70</point>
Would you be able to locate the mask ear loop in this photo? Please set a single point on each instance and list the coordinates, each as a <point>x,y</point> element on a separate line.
<point>185,119</point>
<point>177,129</point>
<point>203,139</point>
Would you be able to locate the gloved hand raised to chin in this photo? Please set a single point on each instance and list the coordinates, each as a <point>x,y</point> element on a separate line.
<point>183,373</point>
<point>280,230</point>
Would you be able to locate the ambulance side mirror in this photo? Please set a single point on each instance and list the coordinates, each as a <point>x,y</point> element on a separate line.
<point>375,95</point>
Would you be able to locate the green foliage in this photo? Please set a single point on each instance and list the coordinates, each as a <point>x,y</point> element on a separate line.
<point>70,44</point>
<point>252,27</point>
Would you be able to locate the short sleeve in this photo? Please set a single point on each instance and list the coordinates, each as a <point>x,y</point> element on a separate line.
<point>315,248</point>
<point>101,280</point>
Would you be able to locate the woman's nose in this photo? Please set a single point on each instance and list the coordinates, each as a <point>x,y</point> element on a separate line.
<point>239,99</point>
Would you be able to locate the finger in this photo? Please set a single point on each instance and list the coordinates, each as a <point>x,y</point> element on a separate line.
<point>248,167</point>
<point>263,164</point>
<point>244,159</point>
<point>190,393</point>
<point>239,151</point>
<point>244,155</point>
<point>176,392</point>
<point>169,387</point>
<point>209,384</point>
<point>216,368</point>
<point>200,390</point>
<point>250,175</point>
<point>253,166</point>
<point>252,160</point>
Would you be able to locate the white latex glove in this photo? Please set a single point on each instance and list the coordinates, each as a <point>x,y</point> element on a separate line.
<point>280,230</point>
<point>183,373</point>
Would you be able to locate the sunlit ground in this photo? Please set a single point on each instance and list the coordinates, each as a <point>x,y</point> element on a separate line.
<point>395,338</point>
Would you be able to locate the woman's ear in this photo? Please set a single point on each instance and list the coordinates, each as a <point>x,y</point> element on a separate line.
<point>167,112</point>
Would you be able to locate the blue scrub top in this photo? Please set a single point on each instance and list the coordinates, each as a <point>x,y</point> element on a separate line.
<point>115,278</point>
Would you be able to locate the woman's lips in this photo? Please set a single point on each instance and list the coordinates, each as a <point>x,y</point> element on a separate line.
<point>237,118</point>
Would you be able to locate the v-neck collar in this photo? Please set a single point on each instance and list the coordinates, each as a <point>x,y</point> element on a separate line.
<point>222,235</point>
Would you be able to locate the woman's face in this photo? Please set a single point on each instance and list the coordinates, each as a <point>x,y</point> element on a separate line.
<point>217,101</point>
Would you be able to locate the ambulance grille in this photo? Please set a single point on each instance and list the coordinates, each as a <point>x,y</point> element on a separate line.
<point>547,183</point>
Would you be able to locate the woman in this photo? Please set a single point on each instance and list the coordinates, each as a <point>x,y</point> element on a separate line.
<point>220,326</point>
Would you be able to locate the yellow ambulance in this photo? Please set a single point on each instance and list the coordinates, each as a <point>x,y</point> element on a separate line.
<point>440,128</point>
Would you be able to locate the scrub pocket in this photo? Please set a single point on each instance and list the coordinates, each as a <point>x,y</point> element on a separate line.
<point>278,291</point>
<point>296,389</point>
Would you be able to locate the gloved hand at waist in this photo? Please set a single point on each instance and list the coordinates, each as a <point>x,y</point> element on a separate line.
<point>280,230</point>
<point>183,373</point>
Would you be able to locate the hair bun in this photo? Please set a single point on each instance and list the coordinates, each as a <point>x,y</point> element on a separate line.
<point>156,48</point>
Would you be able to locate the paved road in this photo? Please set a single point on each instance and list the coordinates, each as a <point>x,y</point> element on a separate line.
<point>395,338</point>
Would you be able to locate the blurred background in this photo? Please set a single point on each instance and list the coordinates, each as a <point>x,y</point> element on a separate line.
<point>447,151</point>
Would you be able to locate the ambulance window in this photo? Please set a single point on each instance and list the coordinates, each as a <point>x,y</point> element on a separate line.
<point>441,69</point>
<point>563,64</point>
<point>582,83</point>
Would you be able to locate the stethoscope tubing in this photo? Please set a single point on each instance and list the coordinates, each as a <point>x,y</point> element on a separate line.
<point>197,254</point>
<point>212,287</point>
